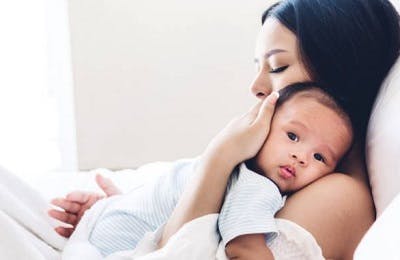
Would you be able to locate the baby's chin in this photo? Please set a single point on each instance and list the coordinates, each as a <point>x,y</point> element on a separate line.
<point>285,190</point>
<point>252,165</point>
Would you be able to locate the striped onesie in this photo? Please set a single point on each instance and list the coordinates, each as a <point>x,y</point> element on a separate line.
<point>249,207</point>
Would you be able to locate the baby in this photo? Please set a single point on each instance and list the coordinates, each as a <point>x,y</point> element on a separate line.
<point>309,135</point>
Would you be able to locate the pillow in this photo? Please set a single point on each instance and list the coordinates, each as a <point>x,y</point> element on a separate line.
<point>383,141</point>
<point>381,241</point>
<point>396,4</point>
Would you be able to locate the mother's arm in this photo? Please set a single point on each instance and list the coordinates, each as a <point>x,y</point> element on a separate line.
<point>240,140</point>
<point>337,209</point>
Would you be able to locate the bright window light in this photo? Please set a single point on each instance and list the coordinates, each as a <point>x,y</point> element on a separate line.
<point>30,139</point>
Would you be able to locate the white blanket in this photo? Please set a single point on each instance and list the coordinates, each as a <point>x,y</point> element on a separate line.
<point>197,239</point>
<point>27,231</point>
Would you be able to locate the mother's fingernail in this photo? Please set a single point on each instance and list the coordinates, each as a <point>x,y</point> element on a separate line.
<point>273,97</point>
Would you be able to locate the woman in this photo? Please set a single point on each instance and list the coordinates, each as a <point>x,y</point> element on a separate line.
<point>347,46</point>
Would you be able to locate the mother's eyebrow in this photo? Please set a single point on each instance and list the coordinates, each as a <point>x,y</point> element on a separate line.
<point>272,52</point>
<point>269,54</point>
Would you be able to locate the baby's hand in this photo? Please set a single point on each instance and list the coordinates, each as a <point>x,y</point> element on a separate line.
<point>75,204</point>
<point>243,137</point>
<point>249,247</point>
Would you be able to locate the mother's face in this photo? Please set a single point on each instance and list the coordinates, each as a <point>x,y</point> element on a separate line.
<point>277,59</point>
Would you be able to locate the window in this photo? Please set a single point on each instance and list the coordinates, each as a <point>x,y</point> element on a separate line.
<point>36,108</point>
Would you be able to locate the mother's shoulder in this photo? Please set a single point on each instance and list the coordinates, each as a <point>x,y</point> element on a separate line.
<point>337,210</point>
<point>340,183</point>
<point>339,190</point>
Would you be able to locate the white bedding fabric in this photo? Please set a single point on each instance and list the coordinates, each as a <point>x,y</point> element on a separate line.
<point>197,240</point>
<point>27,232</point>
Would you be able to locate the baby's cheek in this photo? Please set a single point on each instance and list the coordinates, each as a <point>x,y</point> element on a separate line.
<point>325,172</point>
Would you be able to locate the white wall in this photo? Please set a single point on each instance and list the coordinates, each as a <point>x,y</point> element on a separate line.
<point>156,80</point>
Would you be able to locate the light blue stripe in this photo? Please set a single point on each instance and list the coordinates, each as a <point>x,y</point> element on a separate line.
<point>249,207</point>
<point>140,211</point>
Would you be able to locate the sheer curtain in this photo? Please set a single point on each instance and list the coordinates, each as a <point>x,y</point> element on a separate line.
<point>36,104</point>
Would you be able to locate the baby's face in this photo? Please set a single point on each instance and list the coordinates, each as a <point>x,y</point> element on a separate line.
<point>306,141</point>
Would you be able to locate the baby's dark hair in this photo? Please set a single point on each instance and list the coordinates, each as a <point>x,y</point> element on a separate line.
<point>311,89</point>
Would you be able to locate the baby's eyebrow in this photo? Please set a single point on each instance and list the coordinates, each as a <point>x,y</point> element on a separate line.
<point>330,152</point>
<point>298,123</point>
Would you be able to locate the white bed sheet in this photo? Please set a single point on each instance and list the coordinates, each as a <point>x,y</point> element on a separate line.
<point>29,231</point>
<point>19,211</point>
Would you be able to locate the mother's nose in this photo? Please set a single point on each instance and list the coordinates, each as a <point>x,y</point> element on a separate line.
<point>260,87</point>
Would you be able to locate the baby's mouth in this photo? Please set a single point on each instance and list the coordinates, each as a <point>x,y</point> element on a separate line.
<point>287,171</point>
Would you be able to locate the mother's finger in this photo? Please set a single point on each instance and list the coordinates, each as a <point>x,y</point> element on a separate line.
<point>267,108</point>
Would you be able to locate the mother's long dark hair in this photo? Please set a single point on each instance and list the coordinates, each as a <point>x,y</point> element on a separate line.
<point>348,47</point>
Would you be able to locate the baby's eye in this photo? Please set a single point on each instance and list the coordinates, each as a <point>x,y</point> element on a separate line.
<point>292,136</point>
<point>319,157</point>
<point>279,69</point>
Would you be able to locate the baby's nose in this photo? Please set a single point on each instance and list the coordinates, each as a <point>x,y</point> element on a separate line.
<point>301,161</point>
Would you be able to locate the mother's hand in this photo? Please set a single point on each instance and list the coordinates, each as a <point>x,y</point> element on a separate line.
<point>240,140</point>
<point>75,204</point>
<point>243,137</point>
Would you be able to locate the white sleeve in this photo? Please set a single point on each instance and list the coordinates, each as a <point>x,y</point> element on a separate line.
<point>249,206</point>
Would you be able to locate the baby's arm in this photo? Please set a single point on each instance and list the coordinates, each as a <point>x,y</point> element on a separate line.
<point>248,247</point>
<point>247,215</point>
